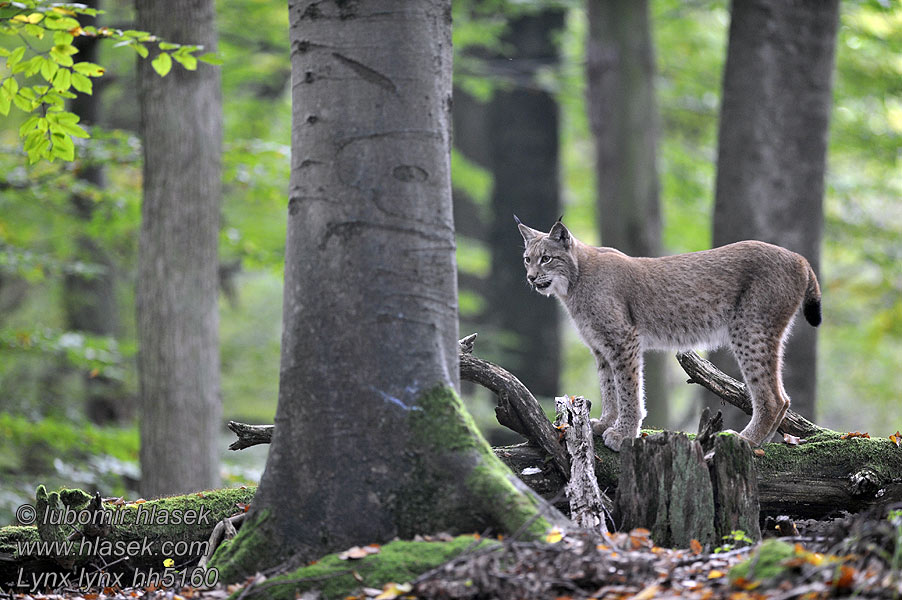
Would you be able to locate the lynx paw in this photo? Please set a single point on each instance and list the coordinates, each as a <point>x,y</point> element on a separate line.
<point>612,439</point>
<point>599,426</point>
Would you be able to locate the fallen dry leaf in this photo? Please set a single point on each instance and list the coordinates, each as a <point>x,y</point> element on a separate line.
<point>554,535</point>
<point>695,546</point>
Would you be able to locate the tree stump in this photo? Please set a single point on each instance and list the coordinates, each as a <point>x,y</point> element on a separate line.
<point>665,487</point>
<point>734,480</point>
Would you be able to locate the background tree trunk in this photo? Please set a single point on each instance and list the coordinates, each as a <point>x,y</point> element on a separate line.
<point>178,362</point>
<point>370,440</point>
<point>620,69</point>
<point>772,149</point>
<point>90,301</point>
<point>523,139</point>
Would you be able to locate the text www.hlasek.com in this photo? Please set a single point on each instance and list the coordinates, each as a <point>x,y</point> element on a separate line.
<point>85,579</point>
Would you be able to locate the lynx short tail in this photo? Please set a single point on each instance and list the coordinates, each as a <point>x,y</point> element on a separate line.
<point>811,306</point>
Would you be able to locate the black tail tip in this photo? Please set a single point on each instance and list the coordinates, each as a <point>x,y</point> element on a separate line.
<point>812,312</point>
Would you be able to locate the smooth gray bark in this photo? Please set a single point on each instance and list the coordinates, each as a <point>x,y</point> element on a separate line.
<point>178,320</point>
<point>620,70</point>
<point>370,439</point>
<point>772,148</point>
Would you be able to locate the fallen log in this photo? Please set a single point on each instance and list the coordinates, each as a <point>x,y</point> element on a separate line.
<point>824,475</point>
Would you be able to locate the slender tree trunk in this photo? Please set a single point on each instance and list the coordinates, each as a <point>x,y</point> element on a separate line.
<point>370,440</point>
<point>523,137</point>
<point>620,68</point>
<point>773,145</point>
<point>89,302</point>
<point>178,362</point>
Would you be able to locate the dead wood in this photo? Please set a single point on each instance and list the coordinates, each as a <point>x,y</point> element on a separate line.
<point>707,375</point>
<point>664,486</point>
<point>587,506</point>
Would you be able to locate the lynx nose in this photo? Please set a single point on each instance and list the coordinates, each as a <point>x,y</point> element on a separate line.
<point>531,278</point>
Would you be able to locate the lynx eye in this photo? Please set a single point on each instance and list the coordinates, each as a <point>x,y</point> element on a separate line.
<point>526,259</point>
<point>545,260</point>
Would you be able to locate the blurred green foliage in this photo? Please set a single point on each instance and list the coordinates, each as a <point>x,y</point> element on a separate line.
<point>42,365</point>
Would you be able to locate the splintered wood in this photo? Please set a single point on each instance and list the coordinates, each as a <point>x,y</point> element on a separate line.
<point>586,506</point>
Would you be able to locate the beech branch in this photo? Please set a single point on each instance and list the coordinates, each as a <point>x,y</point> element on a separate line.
<point>707,375</point>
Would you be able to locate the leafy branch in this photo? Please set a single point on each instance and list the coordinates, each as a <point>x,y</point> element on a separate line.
<point>50,130</point>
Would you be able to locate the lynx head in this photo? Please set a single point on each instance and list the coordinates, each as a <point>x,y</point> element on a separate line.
<point>548,258</point>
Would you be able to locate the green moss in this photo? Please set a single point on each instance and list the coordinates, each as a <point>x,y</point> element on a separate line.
<point>186,518</point>
<point>247,551</point>
<point>397,561</point>
<point>447,433</point>
<point>765,564</point>
<point>827,449</point>
<point>15,534</point>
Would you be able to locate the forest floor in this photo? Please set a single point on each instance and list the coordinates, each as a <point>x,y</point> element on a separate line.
<point>852,556</point>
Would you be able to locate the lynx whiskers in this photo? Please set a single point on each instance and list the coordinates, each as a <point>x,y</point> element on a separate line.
<point>742,295</point>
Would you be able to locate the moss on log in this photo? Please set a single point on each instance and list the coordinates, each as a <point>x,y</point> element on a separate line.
<point>823,476</point>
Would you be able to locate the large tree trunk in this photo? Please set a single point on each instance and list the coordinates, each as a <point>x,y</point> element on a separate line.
<point>371,441</point>
<point>523,138</point>
<point>620,69</point>
<point>89,302</point>
<point>178,320</point>
<point>773,144</point>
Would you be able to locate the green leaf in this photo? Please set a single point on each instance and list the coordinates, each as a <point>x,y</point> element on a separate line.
<point>15,56</point>
<point>134,33</point>
<point>23,103</point>
<point>168,46</point>
<point>188,61</point>
<point>9,87</point>
<point>60,22</point>
<point>49,69</point>
<point>140,49</point>
<point>73,130</point>
<point>211,58</point>
<point>4,104</point>
<point>82,83</point>
<point>88,68</point>
<point>63,80</point>
<point>4,52</point>
<point>162,64</point>
<point>34,31</point>
<point>63,146</point>
<point>61,55</point>
<point>62,38</point>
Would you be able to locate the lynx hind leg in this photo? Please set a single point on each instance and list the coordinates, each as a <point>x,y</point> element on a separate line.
<point>609,399</point>
<point>760,359</point>
<point>626,365</point>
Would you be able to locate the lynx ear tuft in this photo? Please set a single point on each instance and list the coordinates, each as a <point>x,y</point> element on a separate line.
<point>560,234</point>
<point>528,233</point>
<point>517,220</point>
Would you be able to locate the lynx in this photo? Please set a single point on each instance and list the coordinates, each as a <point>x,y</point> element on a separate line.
<point>742,295</point>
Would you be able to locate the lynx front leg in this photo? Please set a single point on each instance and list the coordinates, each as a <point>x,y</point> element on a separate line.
<point>626,364</point>
<point>609,399</point>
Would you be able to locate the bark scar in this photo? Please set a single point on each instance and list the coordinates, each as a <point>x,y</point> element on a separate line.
<point>367,73</point>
